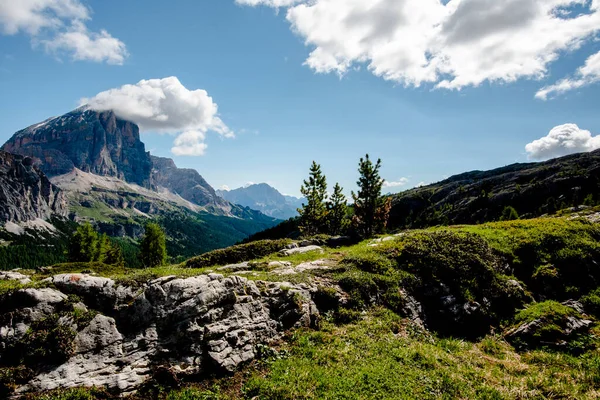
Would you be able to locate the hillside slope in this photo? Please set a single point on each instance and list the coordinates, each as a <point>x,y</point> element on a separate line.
<point>501,310</point>
<point>532,189</point>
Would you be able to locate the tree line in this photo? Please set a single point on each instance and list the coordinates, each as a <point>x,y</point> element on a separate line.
<point>87,245</point>
<point>331,214</point>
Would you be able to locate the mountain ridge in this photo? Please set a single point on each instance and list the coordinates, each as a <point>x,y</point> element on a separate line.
<point>264,198</point>
<point>105,176</point>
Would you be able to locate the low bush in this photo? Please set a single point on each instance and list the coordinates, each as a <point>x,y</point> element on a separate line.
<point>238,253</point>
<point>552,329</point>
<point>591,302</point>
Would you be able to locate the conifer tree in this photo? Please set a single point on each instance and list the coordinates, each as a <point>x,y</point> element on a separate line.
<point>313,213</point>
<point>337,221</point>
<point>370,208</point>
<point>509,214</point>
<point>153,248</point>
<point>84,244</point>
<point>111,252</point>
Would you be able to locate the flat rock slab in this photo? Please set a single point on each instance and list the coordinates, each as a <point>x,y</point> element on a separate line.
<point>15,276</point>
<point>304,267</point>
<point>235,267</point>
<point>377,242</point>
<point>301,250</point>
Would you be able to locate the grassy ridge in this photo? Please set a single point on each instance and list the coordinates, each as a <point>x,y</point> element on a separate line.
<point>364,349</point>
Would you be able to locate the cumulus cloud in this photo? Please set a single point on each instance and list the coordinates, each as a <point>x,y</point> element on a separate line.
<point>450,44</point>
<point>586,75</point>
<point>400,182</point>
<point>224,188</point>
<point>165,106</point>
<point>561,141</point>
<point>59,25</point>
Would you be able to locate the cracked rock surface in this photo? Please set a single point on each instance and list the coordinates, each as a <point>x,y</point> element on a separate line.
<point>207,323</point>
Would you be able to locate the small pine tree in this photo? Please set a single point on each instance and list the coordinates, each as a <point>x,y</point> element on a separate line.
<point>551,206</point>
<point>589,200</point>
<point>153,248</point>
<point>313,213</point>
<point>102,248</point>
<point>337,221</point>
<point>370,209</point>
<point>84,244</point>
<point>509,214</point>
<point>112,255</point>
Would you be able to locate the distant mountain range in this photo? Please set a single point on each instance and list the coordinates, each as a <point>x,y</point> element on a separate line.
<point>264,198</point>
<point>93,167</point>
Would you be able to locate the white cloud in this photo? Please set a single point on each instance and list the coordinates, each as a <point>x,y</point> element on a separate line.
<point>398,183</point>
<point>224,188</point>
<point>60,26</point>
<point>561,141</point>
<point>421,184</point>
<point>453,45</point>
<point>165,106</point>
<point>269,3</point>
<point>586,75</point>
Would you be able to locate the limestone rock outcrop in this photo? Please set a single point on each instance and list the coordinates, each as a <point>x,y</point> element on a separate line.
<point>207,323</point>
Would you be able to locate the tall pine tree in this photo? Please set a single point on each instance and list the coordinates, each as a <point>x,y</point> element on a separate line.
<point>313,213</point>
<point>153,248</point>
<point>84,244</point>
<point>337,221</point>
<point>370,209</point>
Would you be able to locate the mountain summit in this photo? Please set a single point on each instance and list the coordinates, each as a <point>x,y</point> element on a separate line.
<point>98,170</point>
<point>102,144</point>
<point>95,142</point>
<point>263,198</point>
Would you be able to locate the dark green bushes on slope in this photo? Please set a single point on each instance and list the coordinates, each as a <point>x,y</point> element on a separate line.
<point>555,257</point>
<point>238,253</point>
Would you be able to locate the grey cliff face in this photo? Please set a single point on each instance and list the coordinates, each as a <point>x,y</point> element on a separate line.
<point>187,326</point>
<point>187,183</point>
<point>96,142</point>
<point>103,144</point>
<point>26,193</point>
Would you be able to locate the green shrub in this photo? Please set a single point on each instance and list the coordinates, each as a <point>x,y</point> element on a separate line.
<point>10,377</point>
<point>549,254</point>
<point>370,261</point>
<point>550,332</point>
<point>460,265</point>
<point>591,302</point>
<point>509,214</point>
<point>238,253</point>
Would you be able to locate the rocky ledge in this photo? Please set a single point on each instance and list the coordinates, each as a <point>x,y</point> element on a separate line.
<point>85,330</point>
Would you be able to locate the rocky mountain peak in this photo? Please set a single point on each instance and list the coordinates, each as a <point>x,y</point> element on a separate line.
<point>95,142</point>
<point>103,144</point>
<point>187,183</point>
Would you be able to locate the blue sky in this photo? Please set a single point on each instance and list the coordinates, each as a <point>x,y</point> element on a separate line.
<point>286,111</point>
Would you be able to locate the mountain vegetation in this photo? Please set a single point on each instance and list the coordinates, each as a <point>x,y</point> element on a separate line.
<point>501,310</point>
<point>313,214</point>
<point>153,247</point>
